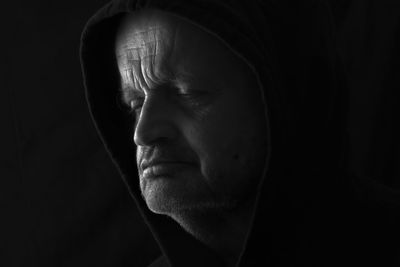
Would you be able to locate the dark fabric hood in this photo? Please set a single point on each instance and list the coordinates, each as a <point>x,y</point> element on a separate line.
<point>307,202</point>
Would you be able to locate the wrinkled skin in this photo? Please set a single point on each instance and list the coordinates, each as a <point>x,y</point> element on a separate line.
<point>196,105</point>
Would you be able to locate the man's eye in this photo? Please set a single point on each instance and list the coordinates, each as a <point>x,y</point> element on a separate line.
<point>186,95</point>
<point>193,98</point>
<point>193,95</point>
<point>135,105</point>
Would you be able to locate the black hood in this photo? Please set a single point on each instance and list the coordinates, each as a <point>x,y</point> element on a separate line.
<point>306,201</point>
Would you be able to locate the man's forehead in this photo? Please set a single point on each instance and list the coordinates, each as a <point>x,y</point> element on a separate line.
<point>140,43</point>
<point>158,47</point>
<point>142,36</point>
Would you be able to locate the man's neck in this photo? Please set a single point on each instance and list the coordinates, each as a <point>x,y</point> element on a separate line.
<point>225,232</point>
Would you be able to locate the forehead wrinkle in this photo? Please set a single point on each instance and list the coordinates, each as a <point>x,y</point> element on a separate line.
<point>140,43</point>
<point>144,53</point>
<point>147,68</point>
<point>134,74</point>
<point>155,70</point>
<point>132,52</point>
<point>142,76</point>
<point>129,81</point>
<point>128,90</point>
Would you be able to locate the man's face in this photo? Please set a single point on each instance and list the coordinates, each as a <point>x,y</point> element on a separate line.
<point>199,126</point>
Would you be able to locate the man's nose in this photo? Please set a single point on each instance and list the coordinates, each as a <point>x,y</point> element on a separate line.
<point>155,122</point>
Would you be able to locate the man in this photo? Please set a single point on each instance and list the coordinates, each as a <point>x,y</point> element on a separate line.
<point>233,141</point>
<point>200,131</point>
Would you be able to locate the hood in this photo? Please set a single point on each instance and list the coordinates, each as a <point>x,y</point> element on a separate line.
<point>289,45</point>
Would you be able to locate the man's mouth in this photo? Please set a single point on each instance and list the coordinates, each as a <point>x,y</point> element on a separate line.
<point>166,168</point>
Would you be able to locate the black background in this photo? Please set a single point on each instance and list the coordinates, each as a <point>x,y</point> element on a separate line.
<point>62,202</point>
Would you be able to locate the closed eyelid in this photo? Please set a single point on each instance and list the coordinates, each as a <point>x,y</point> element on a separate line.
<point>135,104</point>
<point>129,94</point>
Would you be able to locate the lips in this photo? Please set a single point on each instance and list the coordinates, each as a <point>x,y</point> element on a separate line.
<point>158,168</point>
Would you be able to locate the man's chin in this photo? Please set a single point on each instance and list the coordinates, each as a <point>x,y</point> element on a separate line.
<point>179,206</point>
<point>166,196</point>
<point>159,206</point>
<point>168,205</point>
